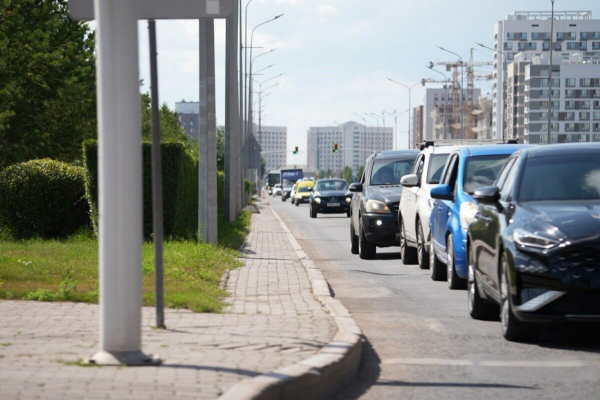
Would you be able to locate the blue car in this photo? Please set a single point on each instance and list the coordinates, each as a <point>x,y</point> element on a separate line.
<point>467,169</point>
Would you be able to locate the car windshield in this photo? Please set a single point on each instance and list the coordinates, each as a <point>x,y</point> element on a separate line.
<point>481,171</point>
<point>325,186</point>
<point>304,189</point>
<point>389,172</point>
<point>563,177</point>
<point>436,167</point>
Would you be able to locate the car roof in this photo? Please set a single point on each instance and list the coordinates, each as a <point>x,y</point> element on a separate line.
<point>332,180</point>
<point>441,149</point>
<point>494,149</point>
<point>563,149</point>
<point>305,183</point>
<point>391,154</point>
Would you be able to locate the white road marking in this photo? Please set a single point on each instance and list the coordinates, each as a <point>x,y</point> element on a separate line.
<point>490,363</point>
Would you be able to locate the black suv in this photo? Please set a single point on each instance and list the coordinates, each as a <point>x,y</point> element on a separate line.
<point>374,206</point>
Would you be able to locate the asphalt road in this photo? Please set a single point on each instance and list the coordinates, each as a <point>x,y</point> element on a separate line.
<point>421,342</point>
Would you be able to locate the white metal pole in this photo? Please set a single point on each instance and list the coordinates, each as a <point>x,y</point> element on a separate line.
<point>120,184</point>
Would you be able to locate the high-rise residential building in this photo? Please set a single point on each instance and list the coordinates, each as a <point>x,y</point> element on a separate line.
<point>273,142</point>
<point>355,143</point>
<point>575,100</point>
<point>441,119</point>
<point>529,33</point>
<point>189,112</point>
<point>417,127</point>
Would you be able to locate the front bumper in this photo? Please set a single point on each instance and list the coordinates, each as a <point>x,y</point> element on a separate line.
<point>381,229</point>
<point>324,207</point>
<point>301,200</point>
<point>555,288</point>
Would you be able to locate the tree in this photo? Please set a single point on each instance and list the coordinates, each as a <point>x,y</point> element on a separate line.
<point>321,174</point>
<point>328,174</point>
<point>47,82</point>
<point>220,149</point>
<point>263,167</point>
<point>348,174</point>
<point>359,173</point>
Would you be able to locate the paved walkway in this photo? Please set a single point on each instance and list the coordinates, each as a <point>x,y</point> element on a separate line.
<point>273,321</point>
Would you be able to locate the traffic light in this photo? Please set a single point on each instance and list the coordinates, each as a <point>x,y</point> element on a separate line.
<point>336,148</point>
<point>297,150</point>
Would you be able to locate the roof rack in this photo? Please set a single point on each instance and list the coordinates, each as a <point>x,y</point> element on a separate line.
<point>464,142</point>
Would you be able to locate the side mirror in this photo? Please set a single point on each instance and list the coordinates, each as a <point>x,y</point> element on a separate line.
<point>487,195</point>
<point>441,192</point>
<point>356,188</point>
<point>411,180</point>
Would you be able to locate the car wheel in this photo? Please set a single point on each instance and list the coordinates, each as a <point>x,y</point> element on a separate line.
<point>422,256</point>
<point>313,212</point>
<point>353,239</point>
<point>454,281</point>
<point>513,329</point>
<point>408,255</point>
<point>348,214</point>
<point>297,203</point>
<point>479,308</point>
<point>438,272</point>
<point>367,250</point>
<point>292,200</point>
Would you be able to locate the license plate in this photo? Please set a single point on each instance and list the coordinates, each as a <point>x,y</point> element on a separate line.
<point>333,204</point>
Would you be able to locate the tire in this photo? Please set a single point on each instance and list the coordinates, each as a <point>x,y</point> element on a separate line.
<point>366,250</point>
<point>348,215</point>
<point>408,254</point>
<point>353,240</point>
<point>422,256</point>
<point>292,200</point>
<point>297,203</point>
<point>454,281</point>
<point>283,198</point>
<point>512,329</point>
<point>313,212</point>
<point>438,272</point>
<point>479,309</point>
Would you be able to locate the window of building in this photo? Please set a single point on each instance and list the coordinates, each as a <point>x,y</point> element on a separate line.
<point>546,46</point>
<point>585,127</point>
<point>510,36</point>
<point>572,36</point>
<point>557,46</point>
<point>523,36</point>
<point>583,46</point>
<point>584,116</point>
<point>585,105</point>
<point>521,46</point>
<point>583,36</point>
<point>572,46</point>
<point>596,35</point>
<point>560,36</point>
<point>508,45</point>
<point>569,93</point>
<point>535,36</point>
<point>571,82</point>
<point>586,82</point>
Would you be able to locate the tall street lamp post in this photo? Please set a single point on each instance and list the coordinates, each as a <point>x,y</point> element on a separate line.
<point>550,77</point>
<point>445,103</point>
<point>395,115</point>
<point>409,88</point>
<point>462,82</point>
<point>502,120</point>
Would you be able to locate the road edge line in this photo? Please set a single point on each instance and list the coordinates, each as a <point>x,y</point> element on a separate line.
<point>320,376</point>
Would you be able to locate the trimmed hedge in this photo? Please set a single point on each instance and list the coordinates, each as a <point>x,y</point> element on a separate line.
<point>180,188</point>
<point>42,198</point>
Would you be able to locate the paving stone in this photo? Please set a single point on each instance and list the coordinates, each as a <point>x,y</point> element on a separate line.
<point>272,321</point>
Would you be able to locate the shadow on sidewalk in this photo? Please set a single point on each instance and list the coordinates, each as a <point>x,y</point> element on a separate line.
<point>367,376</point>
<point>243,372</point>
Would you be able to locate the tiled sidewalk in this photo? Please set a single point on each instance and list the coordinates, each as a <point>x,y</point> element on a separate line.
<point>273,321</point>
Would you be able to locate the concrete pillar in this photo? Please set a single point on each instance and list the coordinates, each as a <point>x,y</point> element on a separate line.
<point>207,139</point>
<point>120,184</point>
<point>232,122</point>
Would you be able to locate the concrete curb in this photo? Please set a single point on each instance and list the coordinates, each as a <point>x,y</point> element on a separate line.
<point>317,377</point>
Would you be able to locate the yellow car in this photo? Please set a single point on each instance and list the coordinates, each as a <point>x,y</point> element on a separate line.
<point>303,190</point>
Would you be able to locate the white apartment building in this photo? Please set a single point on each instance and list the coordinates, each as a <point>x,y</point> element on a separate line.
<point>273,142</point>
<point>529,33</point>
<point>356,142</point>
<point>575,99</point>
<point>189,112</point>
<point>439,121</point>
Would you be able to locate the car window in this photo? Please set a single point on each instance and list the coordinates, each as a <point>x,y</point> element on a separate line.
<point>419,165</point>
<point>324,186</point>
<point>436,167</point>
<point>502,177</point>
<point>448,168</point>
<point>389,172</point>
<point>451,174</point>
<point>506,190</point>
<point>481,171</point>
<point>561,177</point>
<point>363,178</point>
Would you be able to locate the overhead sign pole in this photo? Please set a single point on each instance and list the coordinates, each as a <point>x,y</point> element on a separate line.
<point>120,184</point>
<point>120,162</point>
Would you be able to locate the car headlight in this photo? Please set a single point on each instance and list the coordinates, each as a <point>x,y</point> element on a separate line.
<point>430,203</point>
<point>317,200</point>
<point>348,200</point>
<point>378,207</point>
<point>533,240</point>
<point>467,214</point>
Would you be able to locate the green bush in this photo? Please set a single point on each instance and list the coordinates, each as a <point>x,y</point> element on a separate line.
<point>42,198</point>
<point>180,188</point>
<point>221,190</point>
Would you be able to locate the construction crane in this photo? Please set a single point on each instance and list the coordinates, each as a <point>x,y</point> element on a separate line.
<point>472,76</point>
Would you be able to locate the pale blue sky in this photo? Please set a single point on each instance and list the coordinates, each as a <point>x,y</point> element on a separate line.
<point>336,54</point>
